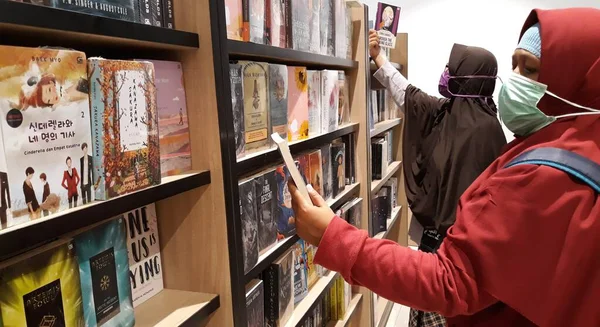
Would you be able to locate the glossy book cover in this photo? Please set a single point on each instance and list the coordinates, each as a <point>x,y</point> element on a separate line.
<point>256,105</point>
<point>124,126</point>
<point>278,99</point>
<point>104,274</point>
<point>42,290</point>
<point>284,213</point>
<point>233,19</point>
<point>45,162</point>
<point>297,103</point>
<point>314,102</point>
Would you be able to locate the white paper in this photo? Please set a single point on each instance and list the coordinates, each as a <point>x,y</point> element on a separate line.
<point>291,165</point>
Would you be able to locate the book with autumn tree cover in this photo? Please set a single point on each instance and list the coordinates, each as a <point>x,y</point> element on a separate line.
<point>126,151</point>
<point>256,105</point>
<point>297,103</point>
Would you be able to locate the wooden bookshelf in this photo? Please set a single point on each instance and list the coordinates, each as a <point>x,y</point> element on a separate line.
<point>317,292</point>
<point>391,171</point>
<point>392,224</point>
<point>385,126</point>
<point>350,312</point>
<point>173,308</point>
<point>383,310</point>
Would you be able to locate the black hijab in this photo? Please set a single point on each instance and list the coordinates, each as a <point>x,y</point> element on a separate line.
<point>449,142</point>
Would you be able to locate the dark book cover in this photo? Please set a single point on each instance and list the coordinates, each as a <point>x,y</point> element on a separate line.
<point>376,156</point>
<point>104,288</point>
<point>380,213</point>
<point>289,43</point>
<point>279,297</point>
<point>237,105</point>
<point>350,158</point>
<point>255,303</point>
<point>327,179</point>
<point>249,224</point>
<point>300,25</point>
<point>168,14</point>
<point>145,12</point>
<point>157,13</point>
<point>300,271</point>
<point>119,9</point>
<point>44,306</point>
<point>354,214</point>
<point>278,98</point>
<point>338,157</point>
<point>284,213</point>
<point>387,190</point>
<point>266,202</point>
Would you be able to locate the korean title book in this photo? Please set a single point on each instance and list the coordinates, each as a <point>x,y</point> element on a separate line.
<point>386,24</point>
<point>45,163</point>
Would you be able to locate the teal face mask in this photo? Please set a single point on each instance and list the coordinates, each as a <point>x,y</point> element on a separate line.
<point>517,105</point>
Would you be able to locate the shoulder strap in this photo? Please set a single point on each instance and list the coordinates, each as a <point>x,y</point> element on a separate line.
<point>569,162</point>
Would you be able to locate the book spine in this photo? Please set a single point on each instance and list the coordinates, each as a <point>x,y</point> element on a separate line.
<point>271,296</point>
<point>145,12</point>
<point>157,17</point>
<point>288,24</point>
<point>246,20</point>
<point>97,113</point>
<point>267,22</point>
<point>168,14</point>
<point>127,10</point>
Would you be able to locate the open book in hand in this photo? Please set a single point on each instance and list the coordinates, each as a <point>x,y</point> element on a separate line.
<point>291,165</point>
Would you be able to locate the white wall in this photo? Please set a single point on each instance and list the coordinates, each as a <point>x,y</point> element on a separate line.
<point>433,26</point>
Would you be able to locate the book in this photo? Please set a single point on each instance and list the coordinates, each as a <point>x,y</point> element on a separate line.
<point>326,22</point>
<point>327,178</point>
<point>315,178</point>
<point>253,16</point>
<point>278,23</point>
<point>278,98</point>
<point>45,162</point>
<point>143,246</point>
<point>255,303</point>
<point>354,213</point>
<point>279,296</point>
<point>284,213</point>
<point>314,102</point>
<point>340,38</point>
<point>237,105</point>
<point>125,126</point>
<point>292,165</point>
<point>173,128</point>
<point>381,212</point>
<point>333,303</point>
<point>389,138</point>
<point>303,164</point>
<point>297,104</point>
<point>393,184</point>
<point>267,23</point>
<point>310,265</point>
<point>266,202</point>
<point>338,157</point>
<point>42,289</point>
<point>314,28</point>
<point>256,106</point>
<point>343,99</point>
<point>300,13</point>
<point>157,13</point>
<point>169,14</point>
<point>300,271</point>
<point>386,24</point>
<point>350,158</point>
<point>104,275</point>
<point>249,223</point>
<point>119,9</point>
<point>329,100</point>
<point>233,19</point>
<point>145,12</point>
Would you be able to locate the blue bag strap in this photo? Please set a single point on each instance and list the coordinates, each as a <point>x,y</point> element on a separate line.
<point>569,162</point>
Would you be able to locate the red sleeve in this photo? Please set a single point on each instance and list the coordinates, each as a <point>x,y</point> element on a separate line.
<point>420,280</point>
<point>64,181</point>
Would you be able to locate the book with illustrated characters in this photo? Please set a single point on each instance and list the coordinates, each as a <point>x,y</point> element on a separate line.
<point>284,214</point>
<point>125,126</point>
<point>104,275</point>
<point>249,223</point>
<point>297,103</point>
<point>45,153</point>
<point>42,288</point>
<point>266,201</point>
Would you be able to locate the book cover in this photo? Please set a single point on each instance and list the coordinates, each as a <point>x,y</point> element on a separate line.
<point>333,306</point>
<point>267,23</point>
<point>284,213</point>
<point>343,99</point>
<point>300,271</point>
<point>233,19</point>
<point>249,223</point>
<point>386,24</point>
<point>257,21</point>
<point>45,163</point>
<point>327,178</point>
<point>354,213</point>
<point>42,290</point>
<point>266,202</point>
<point>125,126</point>
<point>303,165</point>
<point>157,13</point>
<point>256,106</point>
<point>297,103</point>
<point>329,100</point>
<point>316,171</point>
<point>326,22</point>
<point>314,102</point>
<point>338,156</point>
<point>349,140</point>
<point>300,13</point>
<point>104,275</point>
<point>278,23</point>
<point>310,265</point>
<point>119,9</point>
<point>255,303</point>
<point>278,98</point>
<point>173,128</point>
<point>393,184</point>
<point>380,212</point>
<point>145,12</point>
<point>169,14</point>
<point>341,28</point>
<point>279,290</point>
<point>143,246</point>
<point>237,105</point>
<point>314,26</point>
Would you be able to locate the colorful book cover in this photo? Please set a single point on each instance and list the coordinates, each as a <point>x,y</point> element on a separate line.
<point>314,27</point>
<point>119,9</point>
<point>143,246</point>
<point>300,12</point>
<point>278,29</point>
<point>266,203</point>
<point>310,265</point>
<point>316,171</point>
<point>297,104</point>
<point>233,19</point>
<point>42,290</point>
<point>327,179</point>
<point>45,163</point>
<point>303,165</point>
<point>125,126</point>
<point>279,290</point>
<point>329,100</point>
<point>386,23</point>
<point>284,213</point>
<point>314,102</point>
<point>249,224</point>
<point>278,98</point>
<point>343,99</point>
<point>255,303</point>
<point>300,272</point>
<point>256,105</point>
<point>173,128</point>
<point>338,155</point>
<point>237,105</point>
<point>104,275</point>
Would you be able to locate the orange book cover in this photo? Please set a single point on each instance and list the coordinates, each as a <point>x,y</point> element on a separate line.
<point>316,171</point>
<point>233,19</point>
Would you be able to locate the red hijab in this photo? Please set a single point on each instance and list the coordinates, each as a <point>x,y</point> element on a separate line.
<point>530,235</point>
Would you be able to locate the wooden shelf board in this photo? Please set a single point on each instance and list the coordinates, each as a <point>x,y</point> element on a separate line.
<point>374,68</point>
<point>23,237</point>
<point>383,310</point>
<point>26,19</point>
<point>278,249</point>
<point>305,306</point>
<point>384,126</point>
<point>261,159</point>
<point>391,223</point>
<point>356,298</point>
<point>260,52</point>
<point>392,169</point>
<point>173,308</point>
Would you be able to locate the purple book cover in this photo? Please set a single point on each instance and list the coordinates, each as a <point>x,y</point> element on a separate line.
<point>175,149</point>
<point>387,18</point>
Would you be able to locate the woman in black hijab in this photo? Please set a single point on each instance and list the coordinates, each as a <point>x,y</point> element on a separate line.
<point>447,142</point>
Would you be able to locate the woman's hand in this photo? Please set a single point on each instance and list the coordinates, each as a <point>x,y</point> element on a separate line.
<point>374,48</point>
<point>313,218</point>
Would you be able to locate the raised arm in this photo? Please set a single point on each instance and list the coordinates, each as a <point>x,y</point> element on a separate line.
<point>386,74</point>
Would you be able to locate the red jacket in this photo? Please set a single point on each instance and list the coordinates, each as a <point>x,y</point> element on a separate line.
<point>70,182</point>
<point>524,248</point>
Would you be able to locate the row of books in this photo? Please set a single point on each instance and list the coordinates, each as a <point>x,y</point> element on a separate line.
<point>265,202</point>
<point>332,307</point>
<point>292,101</point>
<point>75,130</point>
<point>316,26</point>
<point>383,204</point>
<point>383,107</point>
<point>149,12</point>
<point>94,279</point>
<point>381,154</point>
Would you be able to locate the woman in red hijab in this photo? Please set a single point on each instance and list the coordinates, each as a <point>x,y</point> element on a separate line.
<point>523,250</point>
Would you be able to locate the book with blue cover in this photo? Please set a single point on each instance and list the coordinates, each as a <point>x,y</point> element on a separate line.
<point>104,274</point>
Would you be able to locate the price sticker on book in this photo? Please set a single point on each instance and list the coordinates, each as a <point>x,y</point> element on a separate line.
<point>386,24</point>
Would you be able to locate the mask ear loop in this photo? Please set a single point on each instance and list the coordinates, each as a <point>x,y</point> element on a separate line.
<point>572,104</point>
